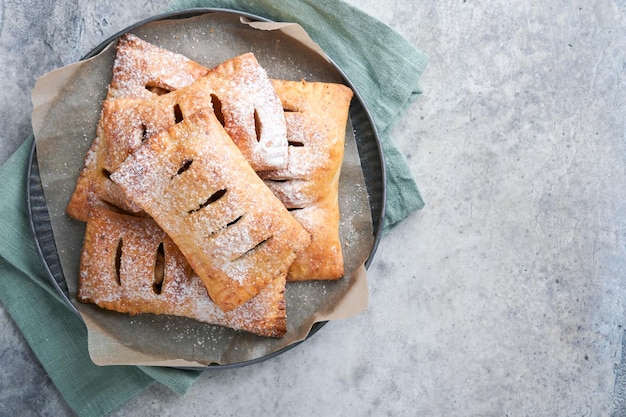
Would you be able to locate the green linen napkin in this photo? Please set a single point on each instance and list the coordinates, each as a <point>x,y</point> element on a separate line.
<point>385,70</point>
<point>56,335</point>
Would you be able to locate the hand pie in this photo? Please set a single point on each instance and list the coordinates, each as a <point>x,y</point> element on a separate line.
<point>130,265</point>
<point>316,115</point>
<point>242,98</point>
<point>239,91</point>
<point>140,70</point>
<point>196,184</point>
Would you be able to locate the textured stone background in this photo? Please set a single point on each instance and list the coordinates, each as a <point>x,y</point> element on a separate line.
<point>503,297</point>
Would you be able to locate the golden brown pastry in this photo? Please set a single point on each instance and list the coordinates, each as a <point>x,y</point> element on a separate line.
<point>142,69</point>
<point>241,96</point>
<point>316,115</point>
<point>196,184</point>
<point>152,88</point>
<point>94,188</point>
<point>130,265</point>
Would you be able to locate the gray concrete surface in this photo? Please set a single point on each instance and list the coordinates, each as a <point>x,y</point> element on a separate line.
<point>503,297</point>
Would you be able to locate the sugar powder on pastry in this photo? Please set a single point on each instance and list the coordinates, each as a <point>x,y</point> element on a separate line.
<point>316,115</point>
<point>148,88</point>
<point>129,265</point>
<point>196,184</point>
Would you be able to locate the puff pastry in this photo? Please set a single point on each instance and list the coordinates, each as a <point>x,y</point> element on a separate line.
<point>163,88</point>
<point>316,115</point>
<point>130,265</point>
<point>196,184</point>
<point>179,144</point>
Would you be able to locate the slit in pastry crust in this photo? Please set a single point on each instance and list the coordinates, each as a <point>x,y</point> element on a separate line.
<point>239,90</point>
<point>296,189</point>
<point>154,277</point>
<point>230,260</point>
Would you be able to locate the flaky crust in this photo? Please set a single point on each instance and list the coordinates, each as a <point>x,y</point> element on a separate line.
<point>142,69</point>
<point>94,187</point>
<point>195,183</point>
<point>130,265</point>
<point>316,115</point>
<point>148,83</point>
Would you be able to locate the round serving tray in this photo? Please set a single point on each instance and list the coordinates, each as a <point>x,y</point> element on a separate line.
<point>369,149</point>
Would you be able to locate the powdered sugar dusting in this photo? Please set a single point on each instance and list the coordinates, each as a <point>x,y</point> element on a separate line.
<point>182,292</point>
<point>139,64</point>
<point>146,178</point>
<point>252,111</point>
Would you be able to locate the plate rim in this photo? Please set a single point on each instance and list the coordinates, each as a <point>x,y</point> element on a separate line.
<point>182,14</point>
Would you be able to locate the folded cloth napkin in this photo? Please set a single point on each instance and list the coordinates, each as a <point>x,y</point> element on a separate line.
<point>385,70</point>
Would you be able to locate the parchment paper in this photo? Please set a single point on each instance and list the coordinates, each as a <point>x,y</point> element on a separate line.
<point>67,104</point>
